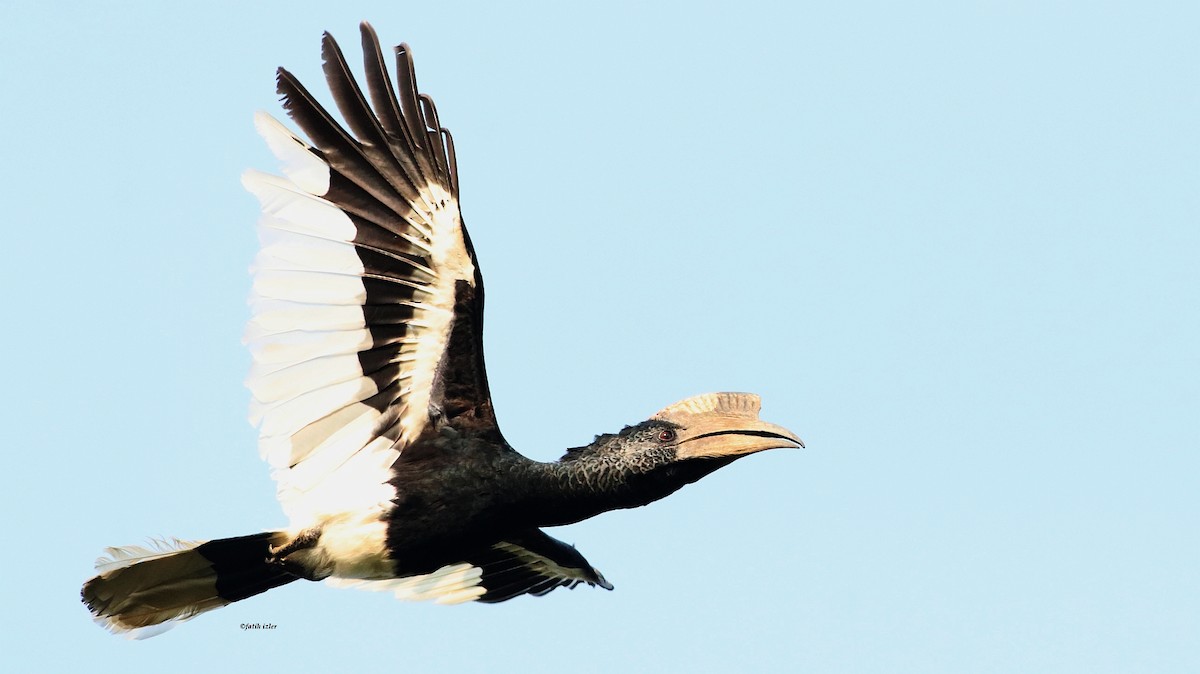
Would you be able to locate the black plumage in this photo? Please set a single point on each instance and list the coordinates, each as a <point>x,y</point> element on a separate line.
<point>372,397</point>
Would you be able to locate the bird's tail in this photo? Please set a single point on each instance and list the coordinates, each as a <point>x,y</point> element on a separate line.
<point>141,591</point>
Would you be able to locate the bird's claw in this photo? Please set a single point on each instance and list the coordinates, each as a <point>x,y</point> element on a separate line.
<point>304,540</point>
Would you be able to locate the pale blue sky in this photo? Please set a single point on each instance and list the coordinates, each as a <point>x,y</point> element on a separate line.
<point>955,246</point>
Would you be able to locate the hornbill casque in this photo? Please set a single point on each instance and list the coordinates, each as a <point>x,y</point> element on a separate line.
<point>370,393</point>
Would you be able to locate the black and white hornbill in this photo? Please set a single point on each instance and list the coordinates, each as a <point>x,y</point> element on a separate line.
<point>370,393</point>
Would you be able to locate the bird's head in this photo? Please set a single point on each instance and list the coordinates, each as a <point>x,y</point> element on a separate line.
<point>696,435</point>
<point>678,446</point>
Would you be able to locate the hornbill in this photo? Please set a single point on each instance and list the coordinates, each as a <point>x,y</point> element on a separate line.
<point>370,393</point>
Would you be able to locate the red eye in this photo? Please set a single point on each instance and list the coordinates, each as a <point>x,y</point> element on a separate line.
<point>666,435</point>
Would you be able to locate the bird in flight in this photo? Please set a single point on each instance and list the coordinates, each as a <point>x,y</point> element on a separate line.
<point>370,394</point>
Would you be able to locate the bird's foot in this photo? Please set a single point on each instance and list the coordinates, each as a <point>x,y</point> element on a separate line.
<point>303,541</point>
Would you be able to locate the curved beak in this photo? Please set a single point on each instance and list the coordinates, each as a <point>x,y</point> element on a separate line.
<point>717,436</point>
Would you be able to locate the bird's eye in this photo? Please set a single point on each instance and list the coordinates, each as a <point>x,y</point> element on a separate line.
<point>666,435</point>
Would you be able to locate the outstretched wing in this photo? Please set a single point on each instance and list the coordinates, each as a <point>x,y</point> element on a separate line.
<point>367,302</point>
<point>531,563</point>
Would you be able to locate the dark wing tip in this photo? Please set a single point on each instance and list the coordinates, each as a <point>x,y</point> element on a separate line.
<point>329,47</point>
<point>600,580</point>
<point>285,86</point>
